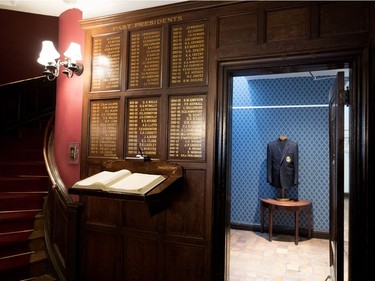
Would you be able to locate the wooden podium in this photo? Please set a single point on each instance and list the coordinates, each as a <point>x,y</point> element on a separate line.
<point>157,198</point>
<point>121,232</point>
<point>173,173</point>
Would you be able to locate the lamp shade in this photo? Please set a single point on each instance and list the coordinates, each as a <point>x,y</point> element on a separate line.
<point>73,52</point>
<point>48,53</point>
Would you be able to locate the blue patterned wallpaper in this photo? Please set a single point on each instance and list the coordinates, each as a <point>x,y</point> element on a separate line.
<point>269,116</point>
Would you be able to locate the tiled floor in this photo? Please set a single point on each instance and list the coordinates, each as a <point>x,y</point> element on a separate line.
<point>254,258</point>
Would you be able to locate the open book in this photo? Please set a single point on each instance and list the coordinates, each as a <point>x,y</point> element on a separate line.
<point>121,181</point>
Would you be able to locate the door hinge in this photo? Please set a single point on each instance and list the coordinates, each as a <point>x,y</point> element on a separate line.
<point>344,97</point>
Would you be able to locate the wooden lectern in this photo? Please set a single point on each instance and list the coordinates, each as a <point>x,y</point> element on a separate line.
<point>157,198</point>
<point>120,231</point>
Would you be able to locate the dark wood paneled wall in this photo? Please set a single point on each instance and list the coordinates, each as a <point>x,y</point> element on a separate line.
<point>149,69</point>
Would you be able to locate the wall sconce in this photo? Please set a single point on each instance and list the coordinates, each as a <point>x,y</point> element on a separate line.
<point>50,58</point>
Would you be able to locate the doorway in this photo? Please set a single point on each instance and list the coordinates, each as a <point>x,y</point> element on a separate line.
<point>302,117</point>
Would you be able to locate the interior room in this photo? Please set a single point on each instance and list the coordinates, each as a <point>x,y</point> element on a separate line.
<point>265,107</point>
<point>195,92</point>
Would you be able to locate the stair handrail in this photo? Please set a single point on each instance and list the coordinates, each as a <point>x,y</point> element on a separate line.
<point>64,258</point>
<point>49,159</point>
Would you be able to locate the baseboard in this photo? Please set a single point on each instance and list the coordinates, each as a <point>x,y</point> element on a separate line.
<point>280,230</point>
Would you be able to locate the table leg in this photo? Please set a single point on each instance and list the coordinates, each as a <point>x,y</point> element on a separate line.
<point>309,222</point>
<point>270,211</point>
<point>296,225</point>
<point>261,216</point>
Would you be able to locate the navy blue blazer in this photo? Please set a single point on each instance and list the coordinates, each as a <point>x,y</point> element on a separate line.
<point>282,163</point>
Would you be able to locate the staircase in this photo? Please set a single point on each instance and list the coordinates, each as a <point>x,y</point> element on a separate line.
<point>24,184</point>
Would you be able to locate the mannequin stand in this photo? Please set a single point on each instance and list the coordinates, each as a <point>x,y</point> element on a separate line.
<point>282,195</point>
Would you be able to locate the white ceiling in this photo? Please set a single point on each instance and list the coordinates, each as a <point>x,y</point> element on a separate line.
<point>315,75</point>
<point>89,8</point>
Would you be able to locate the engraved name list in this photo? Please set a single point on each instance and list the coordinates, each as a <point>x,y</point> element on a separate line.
<point>187,127</point>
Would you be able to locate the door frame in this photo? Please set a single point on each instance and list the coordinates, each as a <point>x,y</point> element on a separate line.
<point>358,61</point>
<point>337,103</point>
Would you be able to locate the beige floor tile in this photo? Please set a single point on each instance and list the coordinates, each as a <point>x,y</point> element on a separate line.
<point>253,257</point>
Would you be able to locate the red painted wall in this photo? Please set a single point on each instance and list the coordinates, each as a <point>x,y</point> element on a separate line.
<point>21,41</point>
<point>68,120</point>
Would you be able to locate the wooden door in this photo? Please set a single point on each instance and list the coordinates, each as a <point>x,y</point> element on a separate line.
<point>337,100</point>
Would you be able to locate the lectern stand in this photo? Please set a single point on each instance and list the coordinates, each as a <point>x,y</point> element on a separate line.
<point>157,198</point>
<point>120,232</point>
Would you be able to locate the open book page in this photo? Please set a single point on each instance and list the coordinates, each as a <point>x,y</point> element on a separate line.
<point>103,179</point>
<point>137,183</point>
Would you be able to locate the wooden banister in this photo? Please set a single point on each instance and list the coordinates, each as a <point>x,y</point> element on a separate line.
<point>61,217</point>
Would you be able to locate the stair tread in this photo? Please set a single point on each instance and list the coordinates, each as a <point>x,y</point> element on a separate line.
<point>12,177</point>
<point>22,258</point>
<point>16,252</point>
<point>16,225</point>
<point>44,277</point>
<point>21,154</point>
<point>23,168</point>
<point>9,251</point>
<point>24,183</point>
<point>37,234</point>
<point>30,230</point>
<point>18,215</point>
<point>18,194</point>
<point>38,256</point>
<point>20,177</point>
<point>23,162</point>
<point>22,194</point>
<point>10,201</point>
<point>9,238</point>
<point>15,262</point>
<point>19,140</point>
